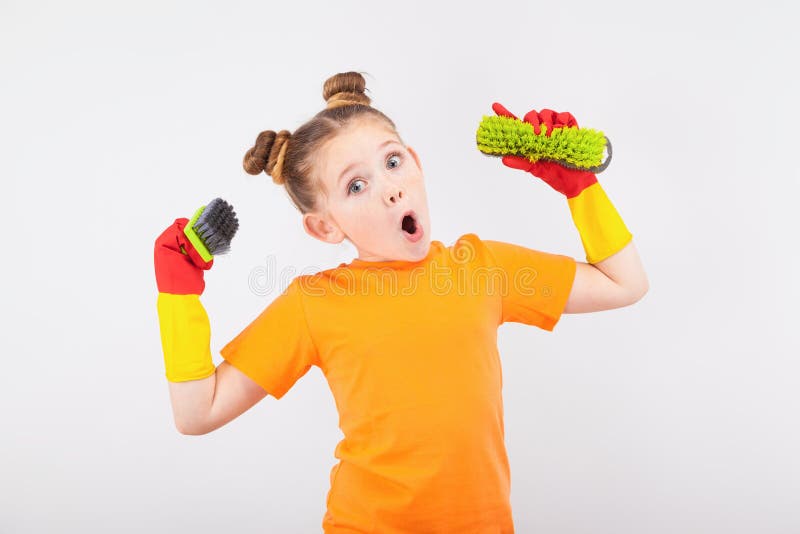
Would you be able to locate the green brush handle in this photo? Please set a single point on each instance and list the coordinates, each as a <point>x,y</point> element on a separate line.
<point>194,238</point>
<point>574,148</point>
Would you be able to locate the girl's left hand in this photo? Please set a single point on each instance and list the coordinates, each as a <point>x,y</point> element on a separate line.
<point>569,182</point>
<point>179,267</point>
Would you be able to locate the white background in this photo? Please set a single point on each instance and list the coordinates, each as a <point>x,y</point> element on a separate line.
<point>676,414</point>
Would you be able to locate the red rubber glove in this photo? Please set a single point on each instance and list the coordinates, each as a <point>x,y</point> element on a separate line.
<point>569,182</point>
<point>179,267</point>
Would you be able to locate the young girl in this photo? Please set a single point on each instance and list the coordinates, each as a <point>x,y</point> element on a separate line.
<point>405,333</point>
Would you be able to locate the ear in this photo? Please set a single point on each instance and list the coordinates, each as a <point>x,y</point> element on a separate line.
<point>415,156</point>
<point>318,227</point>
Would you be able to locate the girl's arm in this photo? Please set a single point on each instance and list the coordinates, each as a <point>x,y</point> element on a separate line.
<point>203,397</point>
<point>617,281</point>
<point>202,406</point>
<point>613,275</point>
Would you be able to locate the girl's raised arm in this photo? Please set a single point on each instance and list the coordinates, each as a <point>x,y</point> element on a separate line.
<point>613,275</point>
<point>617,281</point>
<point>203,397</point>
<point>202,406</point>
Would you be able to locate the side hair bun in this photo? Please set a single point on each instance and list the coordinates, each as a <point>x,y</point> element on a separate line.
<point>268,154</point>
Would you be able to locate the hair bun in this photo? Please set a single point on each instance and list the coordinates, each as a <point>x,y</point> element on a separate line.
<point>268,154</point>
<point>345,89</point>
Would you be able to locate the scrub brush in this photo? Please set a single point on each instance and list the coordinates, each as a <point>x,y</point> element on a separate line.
<point>571,147</point>
<point>212,228</point>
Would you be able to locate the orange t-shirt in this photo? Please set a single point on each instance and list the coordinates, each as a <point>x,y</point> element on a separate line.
<point>409,350</point>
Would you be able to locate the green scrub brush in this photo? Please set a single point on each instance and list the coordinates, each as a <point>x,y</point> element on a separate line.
<point>571,147</point>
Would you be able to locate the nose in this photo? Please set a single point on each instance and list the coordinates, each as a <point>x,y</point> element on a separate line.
<point>393,194</point>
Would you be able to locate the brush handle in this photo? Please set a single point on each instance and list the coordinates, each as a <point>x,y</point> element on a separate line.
<point>197,243</point>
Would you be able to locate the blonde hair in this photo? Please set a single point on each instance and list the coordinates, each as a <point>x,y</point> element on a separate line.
<point>289,157</point>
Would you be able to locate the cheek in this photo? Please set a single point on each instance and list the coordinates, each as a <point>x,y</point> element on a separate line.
<point>357,218</point>
<point>417,185</point>
<point>415,177</point>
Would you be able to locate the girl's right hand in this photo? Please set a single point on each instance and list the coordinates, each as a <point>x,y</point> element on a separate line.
<point>178,266</point>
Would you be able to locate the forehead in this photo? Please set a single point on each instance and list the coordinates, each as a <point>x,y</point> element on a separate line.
<point>352,144</point>
<point>361,135</point>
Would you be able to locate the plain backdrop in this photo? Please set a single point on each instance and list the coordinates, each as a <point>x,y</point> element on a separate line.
<point>676,414</point>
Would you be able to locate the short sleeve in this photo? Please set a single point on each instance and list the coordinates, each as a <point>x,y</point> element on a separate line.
<point>276,349</point>
<point>537,284</point>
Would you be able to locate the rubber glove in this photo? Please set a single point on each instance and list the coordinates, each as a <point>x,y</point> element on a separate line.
<point>184,325</point>
<point>602,231</point>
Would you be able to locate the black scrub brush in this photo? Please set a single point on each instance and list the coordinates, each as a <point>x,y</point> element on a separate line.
<point>212,228</point>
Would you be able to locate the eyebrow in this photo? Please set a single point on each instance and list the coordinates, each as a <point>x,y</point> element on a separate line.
<point>350,167</point>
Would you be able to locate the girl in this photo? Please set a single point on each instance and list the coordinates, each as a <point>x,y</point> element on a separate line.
<point>405,333</point>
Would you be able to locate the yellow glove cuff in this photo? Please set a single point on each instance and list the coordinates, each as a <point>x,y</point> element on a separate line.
<point>185,337</point>
<point>602,231</point>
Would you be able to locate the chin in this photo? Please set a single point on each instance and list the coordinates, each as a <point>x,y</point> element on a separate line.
<point>424,248</point>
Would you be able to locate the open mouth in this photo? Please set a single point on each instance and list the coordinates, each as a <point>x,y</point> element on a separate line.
<point>411,226</point>
<point>409,222</point>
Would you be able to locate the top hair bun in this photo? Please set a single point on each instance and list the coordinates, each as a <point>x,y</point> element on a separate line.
<point>345,89</point>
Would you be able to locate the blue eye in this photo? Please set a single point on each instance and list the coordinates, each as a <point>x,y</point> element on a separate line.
<point>350,187</point>
<point>393,155</point>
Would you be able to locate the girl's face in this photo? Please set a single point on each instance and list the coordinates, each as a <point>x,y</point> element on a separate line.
<point>371,182</point>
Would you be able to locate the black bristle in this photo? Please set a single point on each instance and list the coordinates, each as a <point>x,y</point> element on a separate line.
<point>216,226</point>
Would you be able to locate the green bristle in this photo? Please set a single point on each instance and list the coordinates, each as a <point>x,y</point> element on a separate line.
<point>580,148</point>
